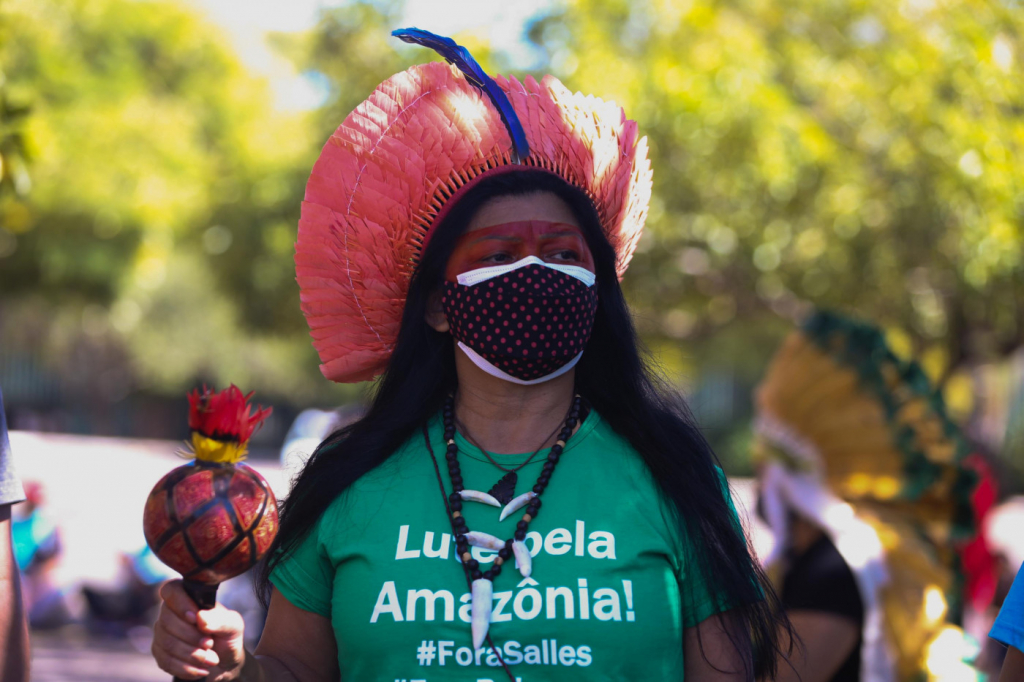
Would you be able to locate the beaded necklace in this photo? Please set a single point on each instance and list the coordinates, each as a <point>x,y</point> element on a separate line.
<point>482,581</point>
<point>505,489</point>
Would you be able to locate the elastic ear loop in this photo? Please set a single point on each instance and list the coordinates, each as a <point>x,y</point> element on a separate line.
<point>486,366</point>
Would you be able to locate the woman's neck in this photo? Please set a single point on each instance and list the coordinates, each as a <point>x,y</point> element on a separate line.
<point>508,418</point>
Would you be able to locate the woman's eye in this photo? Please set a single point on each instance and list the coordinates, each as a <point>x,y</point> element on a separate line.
<point>564,254</point>
<point>497,258</point>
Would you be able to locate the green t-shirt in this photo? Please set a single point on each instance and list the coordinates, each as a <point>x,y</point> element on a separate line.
<point>611,591</point>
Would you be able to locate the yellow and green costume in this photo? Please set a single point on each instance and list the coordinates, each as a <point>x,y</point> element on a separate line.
<point>856,440</point>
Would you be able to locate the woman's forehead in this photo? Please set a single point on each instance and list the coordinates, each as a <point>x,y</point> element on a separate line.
<point>540,206</point>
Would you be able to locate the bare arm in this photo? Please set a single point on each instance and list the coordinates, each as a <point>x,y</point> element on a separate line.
<point>14,652</point>
<point>300,641</point>
<point>826,640</point>
<point>1013,666</point>
<point>296,646</point>
<point>717,650</point>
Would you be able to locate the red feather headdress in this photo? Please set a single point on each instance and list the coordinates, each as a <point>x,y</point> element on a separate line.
<point>386,176</point>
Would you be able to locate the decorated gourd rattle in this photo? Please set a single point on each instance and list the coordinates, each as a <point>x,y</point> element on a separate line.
<point>213,518</point>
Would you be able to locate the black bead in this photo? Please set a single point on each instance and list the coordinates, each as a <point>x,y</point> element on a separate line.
<point>457,481</point>
<point>504,552</point>
<point>538,488</point>
<point>457,505</point>
<point>460,524</point>
<point>532,510</point>
<point>522,525</point>
<point>495,571</point>
<point>477,575</point>
<point>455,497</point>
<point>473,564</point>
<point>489,575</point>
<point>461,541</point>
<point>565,435</point>
<point>508,544</point>
<point>535,503</point>
<point>451,456</point>
<point>553,457</point>
<point>520,535</point>
<point>571,423</point>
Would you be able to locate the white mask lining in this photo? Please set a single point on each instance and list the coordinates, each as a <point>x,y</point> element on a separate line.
<point>483,364</point>
<point>483,274</point>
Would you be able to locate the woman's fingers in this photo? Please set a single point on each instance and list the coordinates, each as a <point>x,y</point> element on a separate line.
<point>175,665</point>
<point>191,643</point>
<point>182,630</point>
<point>187,653</point>
<point>227,629</point>
<point>178,646</point>
<point>221,622</point>
<point>177,600</point>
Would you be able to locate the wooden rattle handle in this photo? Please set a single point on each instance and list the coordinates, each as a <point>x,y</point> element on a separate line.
<point>205,597</point>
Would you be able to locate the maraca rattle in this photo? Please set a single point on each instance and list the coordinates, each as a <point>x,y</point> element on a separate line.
<point>213,518</point>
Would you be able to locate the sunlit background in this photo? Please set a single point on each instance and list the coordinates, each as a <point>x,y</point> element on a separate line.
<point>863,155</point>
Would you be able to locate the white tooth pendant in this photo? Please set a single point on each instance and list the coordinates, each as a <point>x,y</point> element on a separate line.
<point>484,540</point>
<point>477,496</point>
<point>523,558</point>
<point>516,504</point>
<point>481,614</point>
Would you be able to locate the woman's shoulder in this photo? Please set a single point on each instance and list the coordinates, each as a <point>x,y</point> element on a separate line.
<point>406,468</point>
<point>614,448</point>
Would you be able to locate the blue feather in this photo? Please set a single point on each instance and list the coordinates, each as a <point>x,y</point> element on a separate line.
<point>461,58</point>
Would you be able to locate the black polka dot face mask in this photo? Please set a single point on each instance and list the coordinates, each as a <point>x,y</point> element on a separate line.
<point>525,322</point>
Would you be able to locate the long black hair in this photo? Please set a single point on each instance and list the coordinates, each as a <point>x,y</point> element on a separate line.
<point>612,376</point>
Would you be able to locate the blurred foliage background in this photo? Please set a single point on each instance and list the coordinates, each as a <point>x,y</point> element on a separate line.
<point>862,155</point>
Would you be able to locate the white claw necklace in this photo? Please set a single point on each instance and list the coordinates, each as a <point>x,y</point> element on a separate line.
<point>481,582</point>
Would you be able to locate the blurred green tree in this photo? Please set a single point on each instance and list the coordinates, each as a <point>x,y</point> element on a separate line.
<point>166,190</point>
<point>862,154</point>
<point>857,154</point>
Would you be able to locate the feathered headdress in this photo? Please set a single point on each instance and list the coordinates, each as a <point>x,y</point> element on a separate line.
<point>403,157</point>
<point>856,440</point>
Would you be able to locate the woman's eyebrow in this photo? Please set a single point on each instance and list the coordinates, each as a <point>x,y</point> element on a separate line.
<point>562,233</point>
<point>499,237</point>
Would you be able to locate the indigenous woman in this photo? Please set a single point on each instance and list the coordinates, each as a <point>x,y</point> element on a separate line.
<point>864,484</point>
<point>522,499</point>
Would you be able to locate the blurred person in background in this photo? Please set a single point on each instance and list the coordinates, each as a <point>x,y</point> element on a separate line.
<point>309,429</point>
<point>1009,630</point>
<point>1004,532</point>
<point>122,610</point>
<point>14,649</point>
<point>863,483</point>
<point>38,551</point>
<point>393,270</point>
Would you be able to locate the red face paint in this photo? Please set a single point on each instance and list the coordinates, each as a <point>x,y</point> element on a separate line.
<point>558,243</point>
